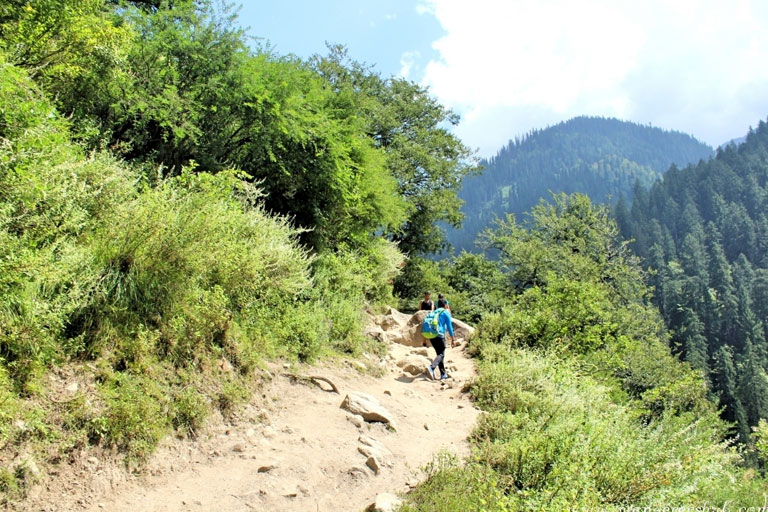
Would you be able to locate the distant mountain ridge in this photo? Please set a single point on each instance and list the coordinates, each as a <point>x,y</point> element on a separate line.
<point>600,157</point>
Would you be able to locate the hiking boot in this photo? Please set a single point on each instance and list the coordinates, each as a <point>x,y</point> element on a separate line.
<point>444,377</point>
<point>431,372</point>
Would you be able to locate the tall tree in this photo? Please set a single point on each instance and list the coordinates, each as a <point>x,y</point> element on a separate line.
<point>412,128</point>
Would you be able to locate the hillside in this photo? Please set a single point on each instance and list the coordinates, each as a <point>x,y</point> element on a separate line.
<point>599,157</point>
<point>704,231</point>
<point>292,447</point>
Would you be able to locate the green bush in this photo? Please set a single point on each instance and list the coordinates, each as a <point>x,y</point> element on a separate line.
<point>558,440</point>
<point>452,487</point>
<point>420,275</point>
<point>134,416</point>
<point>189,410</point>
<point>158,285</point>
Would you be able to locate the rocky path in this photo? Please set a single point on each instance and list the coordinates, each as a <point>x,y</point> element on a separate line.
<point>295,448</point>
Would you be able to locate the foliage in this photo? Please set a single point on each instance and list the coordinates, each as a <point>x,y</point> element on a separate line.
<point>601,158</point>
<point>702,231</point>
<point>164,292</point>
<point>585,405</point>
<point>411,127</point>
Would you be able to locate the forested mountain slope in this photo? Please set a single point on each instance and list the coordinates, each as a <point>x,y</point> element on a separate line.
<point>599,157</point>
<point>704,231</point>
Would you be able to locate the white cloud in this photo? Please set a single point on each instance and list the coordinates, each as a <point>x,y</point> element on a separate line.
<point>407,62</point>
<point>512,65</point>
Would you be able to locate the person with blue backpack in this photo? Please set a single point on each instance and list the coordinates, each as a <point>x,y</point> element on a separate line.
<point>435,326</point>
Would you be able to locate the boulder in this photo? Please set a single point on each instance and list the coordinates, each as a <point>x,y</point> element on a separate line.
<point>413,364</point>
<point>410,335</point>
<point>397,327</point>
<point>393,320</point>
<point>385,502</point>
<point>371,448</point>
<point>372,330</point>
<point>462,331</point>
<point>368,407</point>
<point>375,464</point>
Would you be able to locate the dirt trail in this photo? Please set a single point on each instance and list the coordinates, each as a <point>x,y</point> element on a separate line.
<point>295,449</point>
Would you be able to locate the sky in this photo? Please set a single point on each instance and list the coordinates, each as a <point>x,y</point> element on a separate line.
<point>510,66</point>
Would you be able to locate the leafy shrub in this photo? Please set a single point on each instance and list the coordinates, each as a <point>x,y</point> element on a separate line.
<point>452,487</point>
<point>568,316</point>
<point>189,410</point>
<point>558,440</point>
<point>134,416</point>
<point>49,196</point>
<point>420,275</point>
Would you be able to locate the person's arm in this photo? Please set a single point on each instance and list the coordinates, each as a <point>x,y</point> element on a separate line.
<point>446,316</point>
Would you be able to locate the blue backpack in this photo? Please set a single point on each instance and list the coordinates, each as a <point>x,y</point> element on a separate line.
<point>429,327</point>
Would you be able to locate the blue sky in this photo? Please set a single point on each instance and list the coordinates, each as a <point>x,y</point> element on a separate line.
<point>379,33</point>
<point>509,66</point>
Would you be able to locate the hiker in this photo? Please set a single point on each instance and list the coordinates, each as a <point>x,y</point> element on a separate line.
<point>427,304</point>
<point>444,324</point>
<point>442,300</point>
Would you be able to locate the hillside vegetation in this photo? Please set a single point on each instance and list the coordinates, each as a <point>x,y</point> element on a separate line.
<point>586,408</point>
<point>704,232</point>
<point>602,158</point>
<point>176,207</point>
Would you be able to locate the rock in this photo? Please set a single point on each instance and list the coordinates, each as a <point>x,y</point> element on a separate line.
<point>368,441</point>
<point>368,407</point>
<point>358,472</point>
<point>266,468</point>
<point>392,320</point>
<point>359,366</point>
<point>374,331</point>
<point>376,455</point>
<point>26,464</point>
<point>385,502</point>
<point>375,464</point>
<point>225,366</point>
<point>410,334</point>
<point>426,426</point>
<point>413,365</point>
<point>73,387</point>
<point>93,461</point>
<point>421,352</point>
<point>239,448</point>
<point>356,420</point>
<point>462,331</point>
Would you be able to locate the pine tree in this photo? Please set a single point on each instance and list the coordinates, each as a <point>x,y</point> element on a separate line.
<point>726,383</point>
